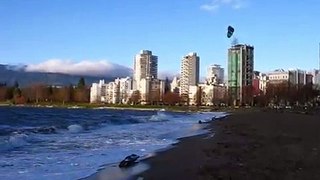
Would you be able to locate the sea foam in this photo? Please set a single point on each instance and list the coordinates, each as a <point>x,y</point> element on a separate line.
<point>75,128</point>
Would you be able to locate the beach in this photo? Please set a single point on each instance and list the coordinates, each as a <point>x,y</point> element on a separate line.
<point>245,145</point>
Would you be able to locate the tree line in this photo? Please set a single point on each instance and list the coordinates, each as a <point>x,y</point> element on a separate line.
<point>283,93</point>
<point>289,94</point>
<point>41,93</point>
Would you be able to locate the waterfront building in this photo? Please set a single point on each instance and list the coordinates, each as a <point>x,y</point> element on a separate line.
<point>117,92</point>
<point>240,73</point>
<point>189,74</point>
<point>145,67</point>
<point>96,91</point>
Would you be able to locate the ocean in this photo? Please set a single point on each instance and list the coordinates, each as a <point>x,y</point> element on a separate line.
<point>55,143</point>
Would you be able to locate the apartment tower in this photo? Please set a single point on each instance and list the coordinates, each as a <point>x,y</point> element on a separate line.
<point>240,74</point>
<point>145,67</point>
<point>189,73</point>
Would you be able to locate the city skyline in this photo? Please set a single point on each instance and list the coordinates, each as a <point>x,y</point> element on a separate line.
<point>42,30</point>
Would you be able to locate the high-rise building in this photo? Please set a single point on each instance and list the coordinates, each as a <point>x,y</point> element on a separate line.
<point>315,76</point>
<point>240,73</point>
<point>215,74</point>
<point>189,73</point>
<point>297,77</point>
<point>145,67</point>
<point>317,81</point>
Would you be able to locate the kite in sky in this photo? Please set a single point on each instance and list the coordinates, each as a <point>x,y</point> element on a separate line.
<point>230,31</point>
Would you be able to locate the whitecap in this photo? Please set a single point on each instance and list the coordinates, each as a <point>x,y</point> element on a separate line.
<point>18,140</point>
<point>160,116</point>
<point>75,128</point>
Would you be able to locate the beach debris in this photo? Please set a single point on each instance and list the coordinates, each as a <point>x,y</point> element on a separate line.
<point>200,122</point>
<point>129,161</point>
<point>207,121</point>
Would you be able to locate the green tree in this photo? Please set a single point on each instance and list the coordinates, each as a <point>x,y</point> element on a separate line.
<point>81,83</point>
<point>199,96</point>
<point>70,93</point>
<point>167,85</point>
<point>16,89</point>
<point>17,92</point>
<point>50,93</point>
<point>171,98</point>
<point>135,97</point>
<point>16,84</point>
<point>9,93</point>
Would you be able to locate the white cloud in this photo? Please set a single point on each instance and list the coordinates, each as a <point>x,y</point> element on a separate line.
<point>214,5</point>
<point>86,67</point>
<point>210,7</point>
<point>168,74</point>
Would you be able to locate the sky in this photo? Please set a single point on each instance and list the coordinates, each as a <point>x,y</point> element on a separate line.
<point>48,34</point>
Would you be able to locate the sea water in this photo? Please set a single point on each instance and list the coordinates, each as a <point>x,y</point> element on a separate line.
<point>54,143</point>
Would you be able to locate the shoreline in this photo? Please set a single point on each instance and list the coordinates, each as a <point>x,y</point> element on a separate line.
<point>115,107</point>
<point>246,145</point>
<point>113,172</point>
<point>97,108</point>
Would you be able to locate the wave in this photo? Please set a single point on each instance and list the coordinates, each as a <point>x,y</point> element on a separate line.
<point>160,116</point>
<point>16,140</point>
<point>74,124</point>
<point>7,130</point>
<point>75,128</point>
<point>49,121</point>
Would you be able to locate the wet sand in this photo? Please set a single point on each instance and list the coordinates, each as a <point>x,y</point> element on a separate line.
<point>247,145</point>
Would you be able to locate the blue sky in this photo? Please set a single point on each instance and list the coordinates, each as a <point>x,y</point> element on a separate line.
<point>285,33</point>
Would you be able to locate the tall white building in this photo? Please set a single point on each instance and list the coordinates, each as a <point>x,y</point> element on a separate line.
<point>112,93</point>
<point>118,91</point>
<point>96,91</point>
<point>145,77</point>
<point>215,74</point>
<point>145,67</point>
<point>189,73</point>
<point>125,89</point>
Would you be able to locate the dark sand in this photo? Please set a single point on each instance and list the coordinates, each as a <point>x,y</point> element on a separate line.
<point>249,145</point>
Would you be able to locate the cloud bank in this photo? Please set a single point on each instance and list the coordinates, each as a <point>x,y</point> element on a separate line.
<point>214,5</point>
<point>101,68</point>
<point>168,74</point>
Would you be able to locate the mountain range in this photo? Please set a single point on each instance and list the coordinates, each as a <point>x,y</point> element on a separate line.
<point>10,74</point>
